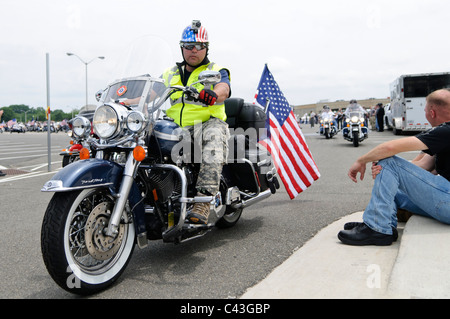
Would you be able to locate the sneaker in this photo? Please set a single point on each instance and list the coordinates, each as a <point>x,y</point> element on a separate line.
<point>199,213</point>
<point>2,174</point>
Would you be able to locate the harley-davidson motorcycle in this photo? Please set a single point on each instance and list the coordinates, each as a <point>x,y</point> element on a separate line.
<point>80,131</point>
<point>354,130</point>
<point>139,184</point>
<point>327,127</point>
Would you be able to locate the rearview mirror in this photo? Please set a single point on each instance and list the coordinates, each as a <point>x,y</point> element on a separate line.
<point>209,77</point>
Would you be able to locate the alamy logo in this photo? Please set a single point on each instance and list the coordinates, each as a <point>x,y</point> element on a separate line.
<point>373,281</point>
<point>72,280</point>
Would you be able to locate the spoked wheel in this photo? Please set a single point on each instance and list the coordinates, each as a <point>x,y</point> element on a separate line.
<point>78,255</point>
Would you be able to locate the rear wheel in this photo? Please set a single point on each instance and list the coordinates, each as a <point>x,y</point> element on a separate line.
<point>230,218</point>
<point>77,254</point>
<point>396,131</point>
<point>231,215</point>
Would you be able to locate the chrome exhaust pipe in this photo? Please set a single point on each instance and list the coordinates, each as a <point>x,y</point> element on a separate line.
<point>246,203</point>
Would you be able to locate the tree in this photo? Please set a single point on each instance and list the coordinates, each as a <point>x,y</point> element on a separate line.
<point>58,115</point>
<point>8,114</point>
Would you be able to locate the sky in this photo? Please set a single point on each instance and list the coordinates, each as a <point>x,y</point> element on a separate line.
<point>316,50</point>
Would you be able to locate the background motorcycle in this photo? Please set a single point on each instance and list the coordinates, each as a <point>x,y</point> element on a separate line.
<point>80,130</point>
<point>355,131</point>
<point>141,184</point>
<point>327,127</point>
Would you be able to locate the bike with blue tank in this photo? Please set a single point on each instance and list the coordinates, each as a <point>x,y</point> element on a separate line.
<point>138,184</point>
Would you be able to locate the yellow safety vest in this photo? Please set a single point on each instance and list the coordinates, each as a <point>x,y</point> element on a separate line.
<point>191,112</point>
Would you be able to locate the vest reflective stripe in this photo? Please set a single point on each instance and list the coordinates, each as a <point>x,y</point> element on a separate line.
<point>191,112</point>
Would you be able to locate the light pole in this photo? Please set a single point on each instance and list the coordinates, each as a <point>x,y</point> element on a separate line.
<point>26,116</point>
<point>86,64</point>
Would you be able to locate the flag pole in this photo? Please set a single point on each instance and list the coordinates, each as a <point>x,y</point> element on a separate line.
<point>48,113</point>
<point>267,105</point>
<point>267,99</point>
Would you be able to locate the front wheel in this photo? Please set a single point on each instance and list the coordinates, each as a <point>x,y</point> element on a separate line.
<point>355,139</point>
<point>77,254</point>
<point>67,159</point>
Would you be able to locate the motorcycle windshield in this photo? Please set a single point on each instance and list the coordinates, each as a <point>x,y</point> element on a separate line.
<point>149,55</point>
<point>125,89</point>
<point>356,114</point>
<point>138,75</point>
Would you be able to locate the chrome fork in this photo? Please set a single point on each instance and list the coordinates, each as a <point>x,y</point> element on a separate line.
<point>127,181</point>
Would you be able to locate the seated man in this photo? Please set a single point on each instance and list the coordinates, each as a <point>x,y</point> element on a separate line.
<point>421,187</point>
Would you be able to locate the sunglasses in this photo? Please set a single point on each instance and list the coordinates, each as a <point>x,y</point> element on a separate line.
<point>191,46</point>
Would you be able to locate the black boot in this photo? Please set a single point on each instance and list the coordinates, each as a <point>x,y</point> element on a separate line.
<point>362,235</point>
<point>352,225</point>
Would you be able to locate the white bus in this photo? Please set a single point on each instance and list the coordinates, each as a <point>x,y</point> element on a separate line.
<point>408,98</point>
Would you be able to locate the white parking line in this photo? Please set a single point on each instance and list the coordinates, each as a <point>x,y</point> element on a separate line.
<point>24,176</point>
<point>9,158</point>
<point>36,166</point>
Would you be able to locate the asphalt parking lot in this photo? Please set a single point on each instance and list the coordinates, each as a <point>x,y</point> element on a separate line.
<point>222,264</point>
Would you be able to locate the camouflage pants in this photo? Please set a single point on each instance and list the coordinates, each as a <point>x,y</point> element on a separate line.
<point>213,135</point>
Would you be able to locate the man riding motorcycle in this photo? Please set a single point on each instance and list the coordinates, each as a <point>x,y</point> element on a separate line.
<point>327,113</point>
<point>354,107</point>
<point>194,47</point>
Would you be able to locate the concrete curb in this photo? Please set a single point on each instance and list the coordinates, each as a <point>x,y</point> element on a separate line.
<point>416,266</point>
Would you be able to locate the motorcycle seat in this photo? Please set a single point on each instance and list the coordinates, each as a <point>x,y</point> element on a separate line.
<point>233,107</point>
<point>244,115</point>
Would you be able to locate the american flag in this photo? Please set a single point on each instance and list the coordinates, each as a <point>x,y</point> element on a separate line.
<point>285,140</point>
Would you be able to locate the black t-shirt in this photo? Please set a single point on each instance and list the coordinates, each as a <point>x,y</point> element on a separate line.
<point>438,142</point>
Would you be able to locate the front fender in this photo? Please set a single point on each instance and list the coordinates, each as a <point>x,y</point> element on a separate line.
<point>83,174</point>
<point>92,173</point>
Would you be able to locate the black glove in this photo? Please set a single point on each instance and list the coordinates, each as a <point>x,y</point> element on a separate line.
<point>207,97</point>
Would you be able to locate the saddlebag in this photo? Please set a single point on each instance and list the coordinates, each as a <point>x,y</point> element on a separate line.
<point>248,161</point>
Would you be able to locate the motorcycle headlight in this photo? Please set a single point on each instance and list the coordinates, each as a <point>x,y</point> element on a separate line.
<point>136,122</point>
<point>355,119</point>
<point>106,121</point>
<point>81,127</point>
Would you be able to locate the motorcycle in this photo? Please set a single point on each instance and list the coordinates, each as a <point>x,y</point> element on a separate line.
<point>78,140</point>
<point>355,131</point>
<point>81,130</point>
<point>139,184</point>
<point>327,127</point>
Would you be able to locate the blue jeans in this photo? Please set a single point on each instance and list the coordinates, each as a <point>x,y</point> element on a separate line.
<point>401,184</point>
